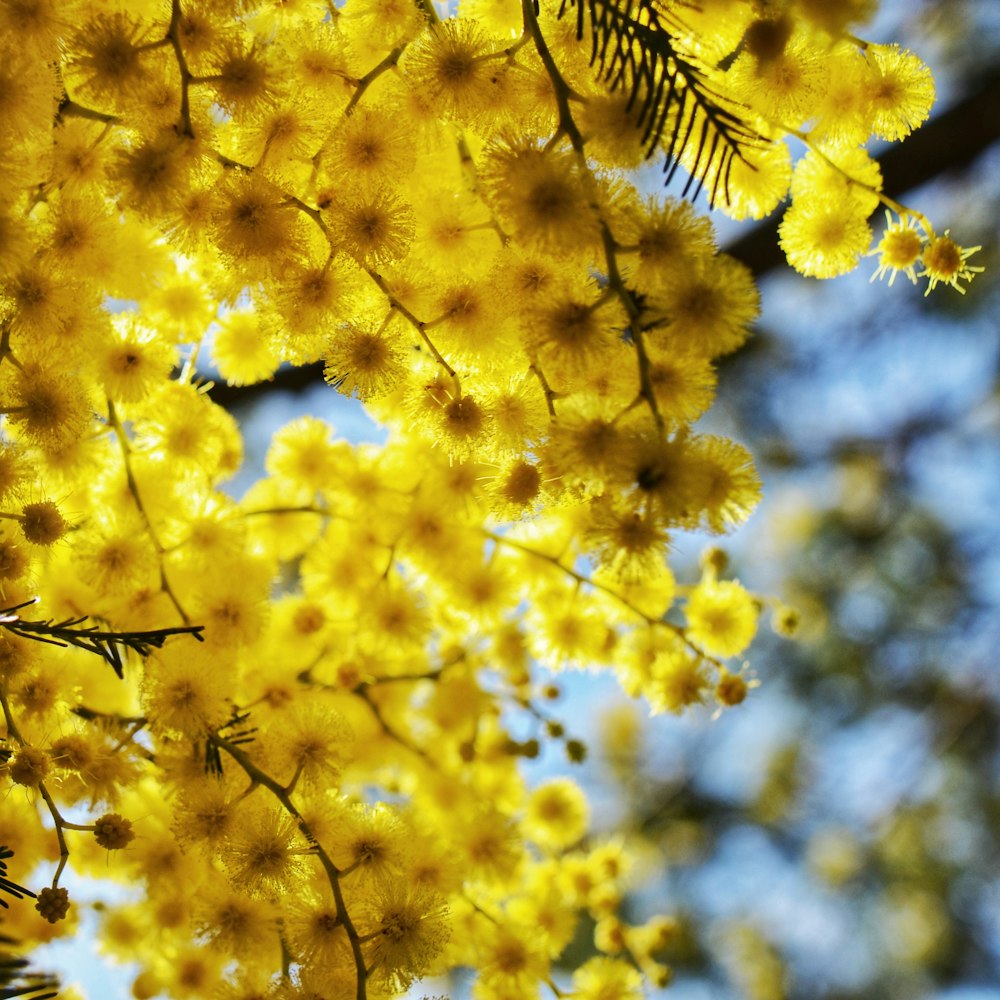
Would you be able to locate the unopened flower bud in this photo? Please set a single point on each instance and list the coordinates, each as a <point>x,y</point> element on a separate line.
<point>113,831</point>
<point>53,904</point>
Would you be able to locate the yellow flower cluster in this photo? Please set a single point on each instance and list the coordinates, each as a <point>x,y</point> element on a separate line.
<point>796,71</point>
<point>322,796</point>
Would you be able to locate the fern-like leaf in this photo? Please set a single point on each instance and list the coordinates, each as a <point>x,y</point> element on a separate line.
<point>634,43</point>
<point>106,644</point>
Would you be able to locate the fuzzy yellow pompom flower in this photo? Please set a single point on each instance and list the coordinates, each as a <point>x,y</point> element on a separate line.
<point>540,195</point>
<point>558,814</point>
<point>900,91</point>
<point>407,927</point>
<point>313,744</point>
<point>946,263</point>
<point>43,523</point>
<point>845,173</point>
<point>134,361</point>
<point>365,360</point>
<point>604,978</point>
<point>676,680</point>
<point>45,405</point>
<point>447,64</point>
<point>823,239</point>
<point>900,248</point>
<point>29,766</point>
<point>234,923</point>
<point>374,227</point>
<point>721,616</point>
<point>266,853</point>
<point>314,931</point>
<point>117,555</point>
<point>305,453</point>
<point>106,57</point>
<point>731,486</point>
<point>242,350</point>
<point>186,692</point>
<point>254,223</point>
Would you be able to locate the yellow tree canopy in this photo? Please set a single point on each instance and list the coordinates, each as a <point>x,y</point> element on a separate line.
<point>288,719</point>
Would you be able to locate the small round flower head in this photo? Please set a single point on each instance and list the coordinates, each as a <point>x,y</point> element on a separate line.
<point>254,223</point>
<point>186,692</point>
<point>568,331</point>
<point>205,813</point>
<point>134,362</point>
<point>823,239</point>
<point>610,122</point>
<point>314,743</point>
<point>461,423</point>
<point>684,384</point>
<point>155,173</point>
<point>512,964</point>
<point>753,184</point>
<point>722,617</point>
<point>731,688</point>
<point>945,262</point>
<point>264,854</point>
<point>557,814</point>
<point>669,474</point>
<point>586,445</point>
<point>371,146</point>
<point>372,227</point>
<point>315,932</point>
<point>234,923</point>
<point>41,298</point>
<point>676,680</point>
<point>243,77</point>
<point>516,490</point>
<point>708,307</point>
<point>107,57</point>
<point>50,407</point>
<point>900,89</point>
<point>900,248</point>
<point>305,453</point>
<point>29,767</point>
<point>730,482</point>
<point>113,832</point>
<point>53,904</point>
<point>408,927</point>
<point>242,350</point>
<point>670,236</point>
<point>605,978</point>
<point>540,195</point>
<point>183,430</point>
<point>81,238</point>
<point>847,172</point>
<point>447,64</point>
<point>518,414</point>
<point>630,544</point>
<point>283,134</point>
<point>233,607</point>
<point>373,840</point>
<point>118,556</point>
<point>42,522</point>
<point>364,360</point>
